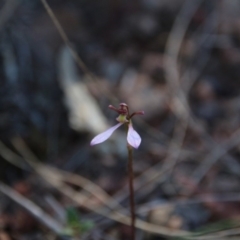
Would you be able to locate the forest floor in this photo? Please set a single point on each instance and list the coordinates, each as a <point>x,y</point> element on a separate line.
<point>178,61</point>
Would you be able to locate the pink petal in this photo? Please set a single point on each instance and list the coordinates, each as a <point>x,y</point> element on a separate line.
<point>133,137</point>
<point>105,135</point>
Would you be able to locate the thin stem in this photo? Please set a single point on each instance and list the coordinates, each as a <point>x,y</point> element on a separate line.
<point>66,40</point>
<point>131,189</point>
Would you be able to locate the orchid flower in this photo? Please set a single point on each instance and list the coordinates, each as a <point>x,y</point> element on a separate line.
<point>133,137</point>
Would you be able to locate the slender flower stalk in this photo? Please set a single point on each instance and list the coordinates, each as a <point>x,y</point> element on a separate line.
<point>131,190</point>
<point>133,141</point>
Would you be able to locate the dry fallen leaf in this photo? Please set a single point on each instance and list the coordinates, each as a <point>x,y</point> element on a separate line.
<point>84,112</point>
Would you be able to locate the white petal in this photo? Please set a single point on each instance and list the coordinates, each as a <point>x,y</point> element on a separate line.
<point>133,137</point>
<point>105,135</point>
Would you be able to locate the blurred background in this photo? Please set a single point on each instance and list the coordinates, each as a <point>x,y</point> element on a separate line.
<point>62,62</point>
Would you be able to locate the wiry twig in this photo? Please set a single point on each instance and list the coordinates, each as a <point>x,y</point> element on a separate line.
<point>61,175</point>
<point>53,176</point>
<point>215,155</point>
<point>89,75</point>
<point>12,157</point>
<point>172,76</point>
<point>32,208</point>
<point>199,199</point>
<point>173,45</point>
<point>65,38</point>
